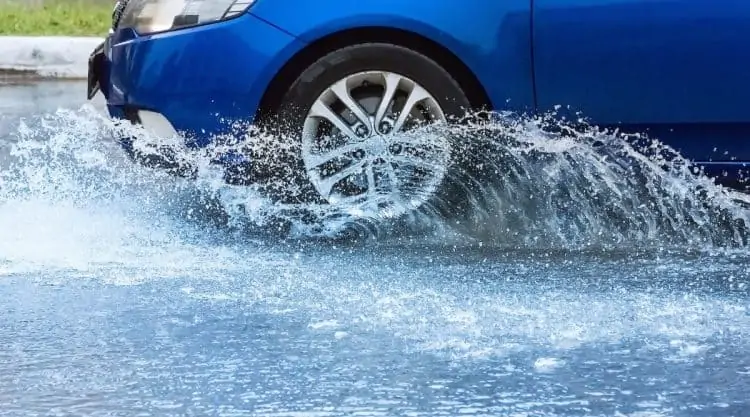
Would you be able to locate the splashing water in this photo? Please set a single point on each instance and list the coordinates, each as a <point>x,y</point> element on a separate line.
<point>374,319</point>
<point>535,187</point>
<point>587,187</point>
<point>70,200</point>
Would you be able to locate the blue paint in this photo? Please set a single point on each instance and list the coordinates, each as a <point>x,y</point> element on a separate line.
<point>652,64</point>
<point>679,69</point>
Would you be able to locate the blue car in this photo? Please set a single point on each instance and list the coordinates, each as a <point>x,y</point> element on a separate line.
<point>342,85</point>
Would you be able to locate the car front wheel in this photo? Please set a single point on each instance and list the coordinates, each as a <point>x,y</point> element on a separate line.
<point>360,122</point>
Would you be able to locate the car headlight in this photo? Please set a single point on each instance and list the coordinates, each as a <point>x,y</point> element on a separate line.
<point>150,16</point>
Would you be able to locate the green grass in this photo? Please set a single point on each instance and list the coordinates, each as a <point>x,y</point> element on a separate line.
<point>55,17</point>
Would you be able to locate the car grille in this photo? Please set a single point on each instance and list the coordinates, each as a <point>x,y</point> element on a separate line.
<point>117,12</point>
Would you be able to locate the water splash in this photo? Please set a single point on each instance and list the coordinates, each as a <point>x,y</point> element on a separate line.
<point>524,182</point>
<point>70,200</point>
<point>528,183</point>
<point>543,183</point>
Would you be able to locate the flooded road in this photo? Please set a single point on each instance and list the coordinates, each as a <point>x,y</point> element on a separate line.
<point>118,296</point>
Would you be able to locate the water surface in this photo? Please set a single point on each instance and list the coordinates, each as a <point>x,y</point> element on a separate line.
<point>120,294</point>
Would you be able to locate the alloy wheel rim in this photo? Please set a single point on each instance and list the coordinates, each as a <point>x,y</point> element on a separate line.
<point>365,147</point>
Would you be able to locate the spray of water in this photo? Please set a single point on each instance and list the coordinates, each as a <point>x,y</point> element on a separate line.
<point>544,183</point>
<point>70,200</point>
<point>523,183</point>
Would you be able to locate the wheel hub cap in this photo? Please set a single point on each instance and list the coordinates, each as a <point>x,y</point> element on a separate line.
<point>361,149</point>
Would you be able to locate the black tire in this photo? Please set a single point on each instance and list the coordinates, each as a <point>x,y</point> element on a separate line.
<point>286,177</point>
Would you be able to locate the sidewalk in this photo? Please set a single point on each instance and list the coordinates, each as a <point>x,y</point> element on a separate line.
<point>46,56</point>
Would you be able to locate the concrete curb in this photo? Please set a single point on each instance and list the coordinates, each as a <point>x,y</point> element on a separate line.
<point>54,57</point>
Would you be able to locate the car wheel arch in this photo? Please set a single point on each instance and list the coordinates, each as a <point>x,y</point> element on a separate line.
<point>307,55</point>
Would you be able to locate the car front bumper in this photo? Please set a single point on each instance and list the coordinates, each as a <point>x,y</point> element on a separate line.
<point>197,83</point>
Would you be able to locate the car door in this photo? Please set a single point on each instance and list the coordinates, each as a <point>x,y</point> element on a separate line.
<point>663,65</point>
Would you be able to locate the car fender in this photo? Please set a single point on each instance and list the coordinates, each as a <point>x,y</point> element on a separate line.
<point>493,39</point>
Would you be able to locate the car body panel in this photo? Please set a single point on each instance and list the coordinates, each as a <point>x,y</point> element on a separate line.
<point>493,38</point>
<point>650,64</point>
<point>676,69</point>
<point>202,79</point>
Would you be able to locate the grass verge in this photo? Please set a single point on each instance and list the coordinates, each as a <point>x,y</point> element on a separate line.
<point>55,17</point>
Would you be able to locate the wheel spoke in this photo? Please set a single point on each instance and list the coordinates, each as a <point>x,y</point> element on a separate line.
<point>395,182</point>
<point>341,91</point>
<point>316,160</point>
<point>326,184</point>
<point>321,110</point>
<point>391,86</point>
<point>370,179</point>
<point>416,95</point>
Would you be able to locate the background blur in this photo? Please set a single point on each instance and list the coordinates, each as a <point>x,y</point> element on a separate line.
<point>55,17</point>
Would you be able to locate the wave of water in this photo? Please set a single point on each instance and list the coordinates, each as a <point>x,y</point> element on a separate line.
<point>70,201</point>
<point>537,187</point>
